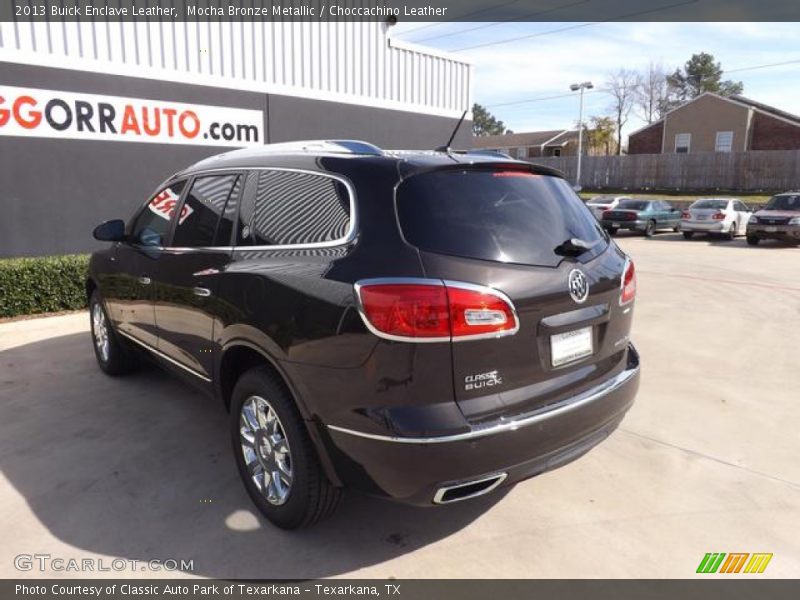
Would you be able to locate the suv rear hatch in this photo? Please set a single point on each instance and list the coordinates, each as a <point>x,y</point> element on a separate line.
<point>523,233</point>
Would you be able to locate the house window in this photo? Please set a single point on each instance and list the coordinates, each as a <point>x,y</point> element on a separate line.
<point>522,152</point>
<point>556,151</point>
<point>683,142</point>
<point>724,141</point>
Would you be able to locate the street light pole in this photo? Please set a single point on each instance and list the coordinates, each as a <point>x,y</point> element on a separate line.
<point>586,85</point>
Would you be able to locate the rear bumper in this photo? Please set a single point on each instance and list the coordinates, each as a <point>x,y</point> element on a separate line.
<point>630,225</point>
<point>710,227</point>
<point>413,470</point>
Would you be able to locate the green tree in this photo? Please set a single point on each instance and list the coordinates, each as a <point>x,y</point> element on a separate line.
<point>700,74</point>
<point>485,123</point>
<point>600,135</point>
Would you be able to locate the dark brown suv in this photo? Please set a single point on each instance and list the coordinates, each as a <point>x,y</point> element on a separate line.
<point>426,326</point>
<point>779,220</point>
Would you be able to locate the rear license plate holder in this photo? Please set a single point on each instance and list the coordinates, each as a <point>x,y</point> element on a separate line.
<point>571,346</point>
<point>770,229</point>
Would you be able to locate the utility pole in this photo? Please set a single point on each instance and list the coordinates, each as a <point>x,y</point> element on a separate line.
<point>586,85</point>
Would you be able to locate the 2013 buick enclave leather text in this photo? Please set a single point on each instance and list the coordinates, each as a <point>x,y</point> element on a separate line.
<point>423,326</point>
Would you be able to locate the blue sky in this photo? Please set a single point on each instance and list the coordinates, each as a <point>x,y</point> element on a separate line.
<point>547,64</point>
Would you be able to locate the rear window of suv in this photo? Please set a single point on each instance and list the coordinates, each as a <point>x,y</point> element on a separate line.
<point>498,215</point>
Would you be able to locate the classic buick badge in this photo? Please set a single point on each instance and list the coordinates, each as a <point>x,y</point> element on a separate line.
<point>578,286</point>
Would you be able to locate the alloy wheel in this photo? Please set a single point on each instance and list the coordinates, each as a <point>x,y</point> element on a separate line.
<point>100,332</point>
<point>266,450</point>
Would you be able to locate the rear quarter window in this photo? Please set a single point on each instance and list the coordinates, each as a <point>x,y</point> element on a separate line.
<point>495,215</point>
<point>293,208</point>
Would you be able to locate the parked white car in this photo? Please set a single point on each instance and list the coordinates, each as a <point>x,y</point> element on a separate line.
<point>599,204</point>
<point>726,216</point>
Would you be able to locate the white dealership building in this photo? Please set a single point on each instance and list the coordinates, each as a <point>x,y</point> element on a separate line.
<point>95,113</point>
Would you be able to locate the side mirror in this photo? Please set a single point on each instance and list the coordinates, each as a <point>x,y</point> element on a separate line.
<point>110,231</point>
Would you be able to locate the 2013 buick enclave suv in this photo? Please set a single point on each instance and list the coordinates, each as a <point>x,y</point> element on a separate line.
<point>424,326</point>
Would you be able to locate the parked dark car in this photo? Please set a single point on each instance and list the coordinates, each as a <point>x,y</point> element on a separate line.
<point>425,326</point>
<point>647,216</point>
<point>778,220</point>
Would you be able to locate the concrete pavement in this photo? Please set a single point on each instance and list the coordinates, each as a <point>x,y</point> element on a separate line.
<point>706,461</point>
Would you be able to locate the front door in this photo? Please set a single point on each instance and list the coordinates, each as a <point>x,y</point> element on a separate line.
<point>184,281</point>
<point>129,289</point>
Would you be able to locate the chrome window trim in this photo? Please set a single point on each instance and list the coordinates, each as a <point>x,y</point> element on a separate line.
<point>346,239</point>
<point>440,283</point>
<point>164,356</point>
<point>569,405</point>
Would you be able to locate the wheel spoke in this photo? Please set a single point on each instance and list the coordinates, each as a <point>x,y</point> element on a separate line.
<point>279,445</point>
<point>270,422</point>
<point>250,457</point>
<point>247,438</point>
<point>249,416</point>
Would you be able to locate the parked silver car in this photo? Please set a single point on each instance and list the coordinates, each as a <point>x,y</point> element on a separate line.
<point>726,216</point>
<point>600,204</point>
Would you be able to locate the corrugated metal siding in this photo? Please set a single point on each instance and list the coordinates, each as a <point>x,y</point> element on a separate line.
<point>354,62</point>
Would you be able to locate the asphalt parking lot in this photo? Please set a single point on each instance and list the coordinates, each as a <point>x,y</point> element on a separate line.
<point>706,461</point>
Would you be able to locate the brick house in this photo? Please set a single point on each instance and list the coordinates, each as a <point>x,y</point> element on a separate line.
<point>563,142</point>
<point>714,123</point>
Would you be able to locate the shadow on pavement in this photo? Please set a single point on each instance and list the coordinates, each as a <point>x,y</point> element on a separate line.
<point>140,467</point>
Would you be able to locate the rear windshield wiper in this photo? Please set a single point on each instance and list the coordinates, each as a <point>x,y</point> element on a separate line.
<point>573,247</point>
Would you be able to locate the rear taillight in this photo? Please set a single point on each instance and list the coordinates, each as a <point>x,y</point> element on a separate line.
<point>628,287</point>
<point>686,215</point>
<point>429,310</point>
<point>606,214</point>
<point>718,216</point>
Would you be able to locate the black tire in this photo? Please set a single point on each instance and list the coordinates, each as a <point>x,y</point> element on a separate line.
<point>310,497</point>
<point>752,240</point>
<point>650,229</point>
<point>687,235</point>
<point>611,231</point>
<point>676,229</point>
<point>118,358</point>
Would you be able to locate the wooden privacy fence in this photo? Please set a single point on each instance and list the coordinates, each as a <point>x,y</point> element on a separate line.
<point>734,171</point>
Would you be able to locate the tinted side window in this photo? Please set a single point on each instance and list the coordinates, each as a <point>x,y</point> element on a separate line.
<point>152,224</point>
<point>201,210</point>
<point>288,207</point>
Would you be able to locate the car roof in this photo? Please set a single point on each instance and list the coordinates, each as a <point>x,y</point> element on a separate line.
<point>408,161</point>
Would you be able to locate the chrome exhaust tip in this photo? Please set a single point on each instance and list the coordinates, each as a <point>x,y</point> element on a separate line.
<point>468,489</point>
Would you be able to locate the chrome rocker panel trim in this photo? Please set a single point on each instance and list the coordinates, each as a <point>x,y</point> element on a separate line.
<point>544,414</point>
<point>163,356</point>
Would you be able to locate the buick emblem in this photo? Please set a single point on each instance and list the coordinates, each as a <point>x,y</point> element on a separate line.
<point>578,286</point>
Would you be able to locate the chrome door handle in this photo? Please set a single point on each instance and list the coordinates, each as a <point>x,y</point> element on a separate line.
<point>145,280</point>
<point>201,291</point>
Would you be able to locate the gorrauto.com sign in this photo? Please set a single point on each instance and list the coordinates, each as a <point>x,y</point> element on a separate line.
<point>29,112</point>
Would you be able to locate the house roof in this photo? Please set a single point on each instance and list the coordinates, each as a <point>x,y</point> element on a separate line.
<point>740,100</point>
<point>766,108</point>
<point>555,137</point>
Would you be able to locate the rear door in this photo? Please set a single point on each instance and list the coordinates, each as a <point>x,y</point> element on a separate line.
<point>672,216</point>
<point>185,280</point>
<point>509,230</point>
